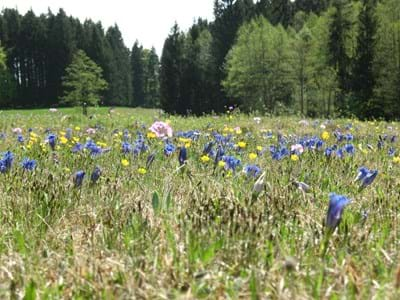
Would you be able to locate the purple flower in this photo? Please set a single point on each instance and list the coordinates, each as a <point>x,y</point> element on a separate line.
<point>78,178</point>
<point>95,174</point>
<point>366,176</point>
<point>252,170</point>
<point>28,164</point>
<point>51,139</point>
<point>337,204</point>
<point>182,155</point>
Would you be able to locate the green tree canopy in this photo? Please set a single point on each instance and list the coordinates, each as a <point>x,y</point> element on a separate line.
<point>259,69</point>
<point>2,59</point>
<point>83,81</point>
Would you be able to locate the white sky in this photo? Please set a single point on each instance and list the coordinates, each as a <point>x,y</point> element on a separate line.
<point>149,21</point>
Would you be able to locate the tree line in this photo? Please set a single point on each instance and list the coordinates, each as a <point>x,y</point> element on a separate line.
<point>308,57</point>
<point>39,49</point>
<point>311,57</point>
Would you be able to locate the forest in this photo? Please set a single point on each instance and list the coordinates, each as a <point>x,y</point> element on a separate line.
<point>305,57</point>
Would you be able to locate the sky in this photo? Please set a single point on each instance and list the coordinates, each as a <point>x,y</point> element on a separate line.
<point>148,21</point>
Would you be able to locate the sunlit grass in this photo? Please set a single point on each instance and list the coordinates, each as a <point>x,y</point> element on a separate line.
<point>195,230</point>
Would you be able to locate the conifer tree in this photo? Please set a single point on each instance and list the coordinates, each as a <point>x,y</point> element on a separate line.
<point>83,81</point>
<point>137,68</point>
<point>363,81</point>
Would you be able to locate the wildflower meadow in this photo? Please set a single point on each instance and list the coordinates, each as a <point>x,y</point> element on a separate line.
<point>133,203</point>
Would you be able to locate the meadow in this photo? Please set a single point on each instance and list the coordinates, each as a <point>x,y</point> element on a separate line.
<point>231,206</point>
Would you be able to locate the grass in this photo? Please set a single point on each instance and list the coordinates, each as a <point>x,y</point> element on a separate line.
<point>193,231</point>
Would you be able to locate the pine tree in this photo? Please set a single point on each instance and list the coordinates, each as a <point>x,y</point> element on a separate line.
<point>83,81</point>
<point>120,82</point>
<point>339,59</point>
<point>137,67</point>
<point>151,78</point>
<point>363,81</point>
<point>170,72</point>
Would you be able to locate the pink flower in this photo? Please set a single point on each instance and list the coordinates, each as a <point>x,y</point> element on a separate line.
<point>297,148</point>
<point>17,130</point>
<point>161,129</point>
<point>90,131</point>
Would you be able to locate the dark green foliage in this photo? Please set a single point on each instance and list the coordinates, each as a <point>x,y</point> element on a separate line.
<point>137,65</point>
<point>120,81</point>
<point>363,82</point>
<point>229,16</point>
<point>83,81</point>
<point>151,75</point>
<point>339,58</point>
<point>39,48</point>
<point>170,73</point>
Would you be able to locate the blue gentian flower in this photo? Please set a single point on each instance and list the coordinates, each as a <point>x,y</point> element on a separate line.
<point>337,204</point>
<point>20,138</point>
<point>252,170</point>
<point>328,152</point>
<point>393,139</point>
<point>78,147</point>
<point>95,174</point>
<point>3,167</point>
<point>150,160</point>
<point>68,133</point>
<point>93,148</point>
<point>78,178</point>
<point>126,147</point>
<point>349,137</point>
<point>339,153</point>
<point>362,172</point>
<point>231,162</point>
<point>52,138</point>
<point>28,164</point>
<point>220,154</point>
<point>380,144</point>
<point>349,148</point>
<point>208,148</point>
<point>8,158</point>
<point>182,155</point>
<point>369,178</point>
<point>169,149</point>
<point>391,151</point>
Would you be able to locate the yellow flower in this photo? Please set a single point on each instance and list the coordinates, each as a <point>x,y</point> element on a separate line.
<point>187,145</point>
<point>242,145</point>
<point>125,162</point>
<point>238,131</point>
<point>184,140</point>
<point>63,140</point>
<point>294,157</point>
<point>101,144</point>
<point>325,135</point>
<point>77,128</point>
<point>396,159</point>
<point>75,139</point>
<point>142,171</point>
<point>229,174</point>
<point>68,170</point>
<point>252,156</point>
<point>151,135</point>
<point>205,159</point>
<point>259,148</point>
<point>221,164</point>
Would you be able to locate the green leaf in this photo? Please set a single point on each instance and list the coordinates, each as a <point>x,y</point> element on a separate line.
<point>155,202</point>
